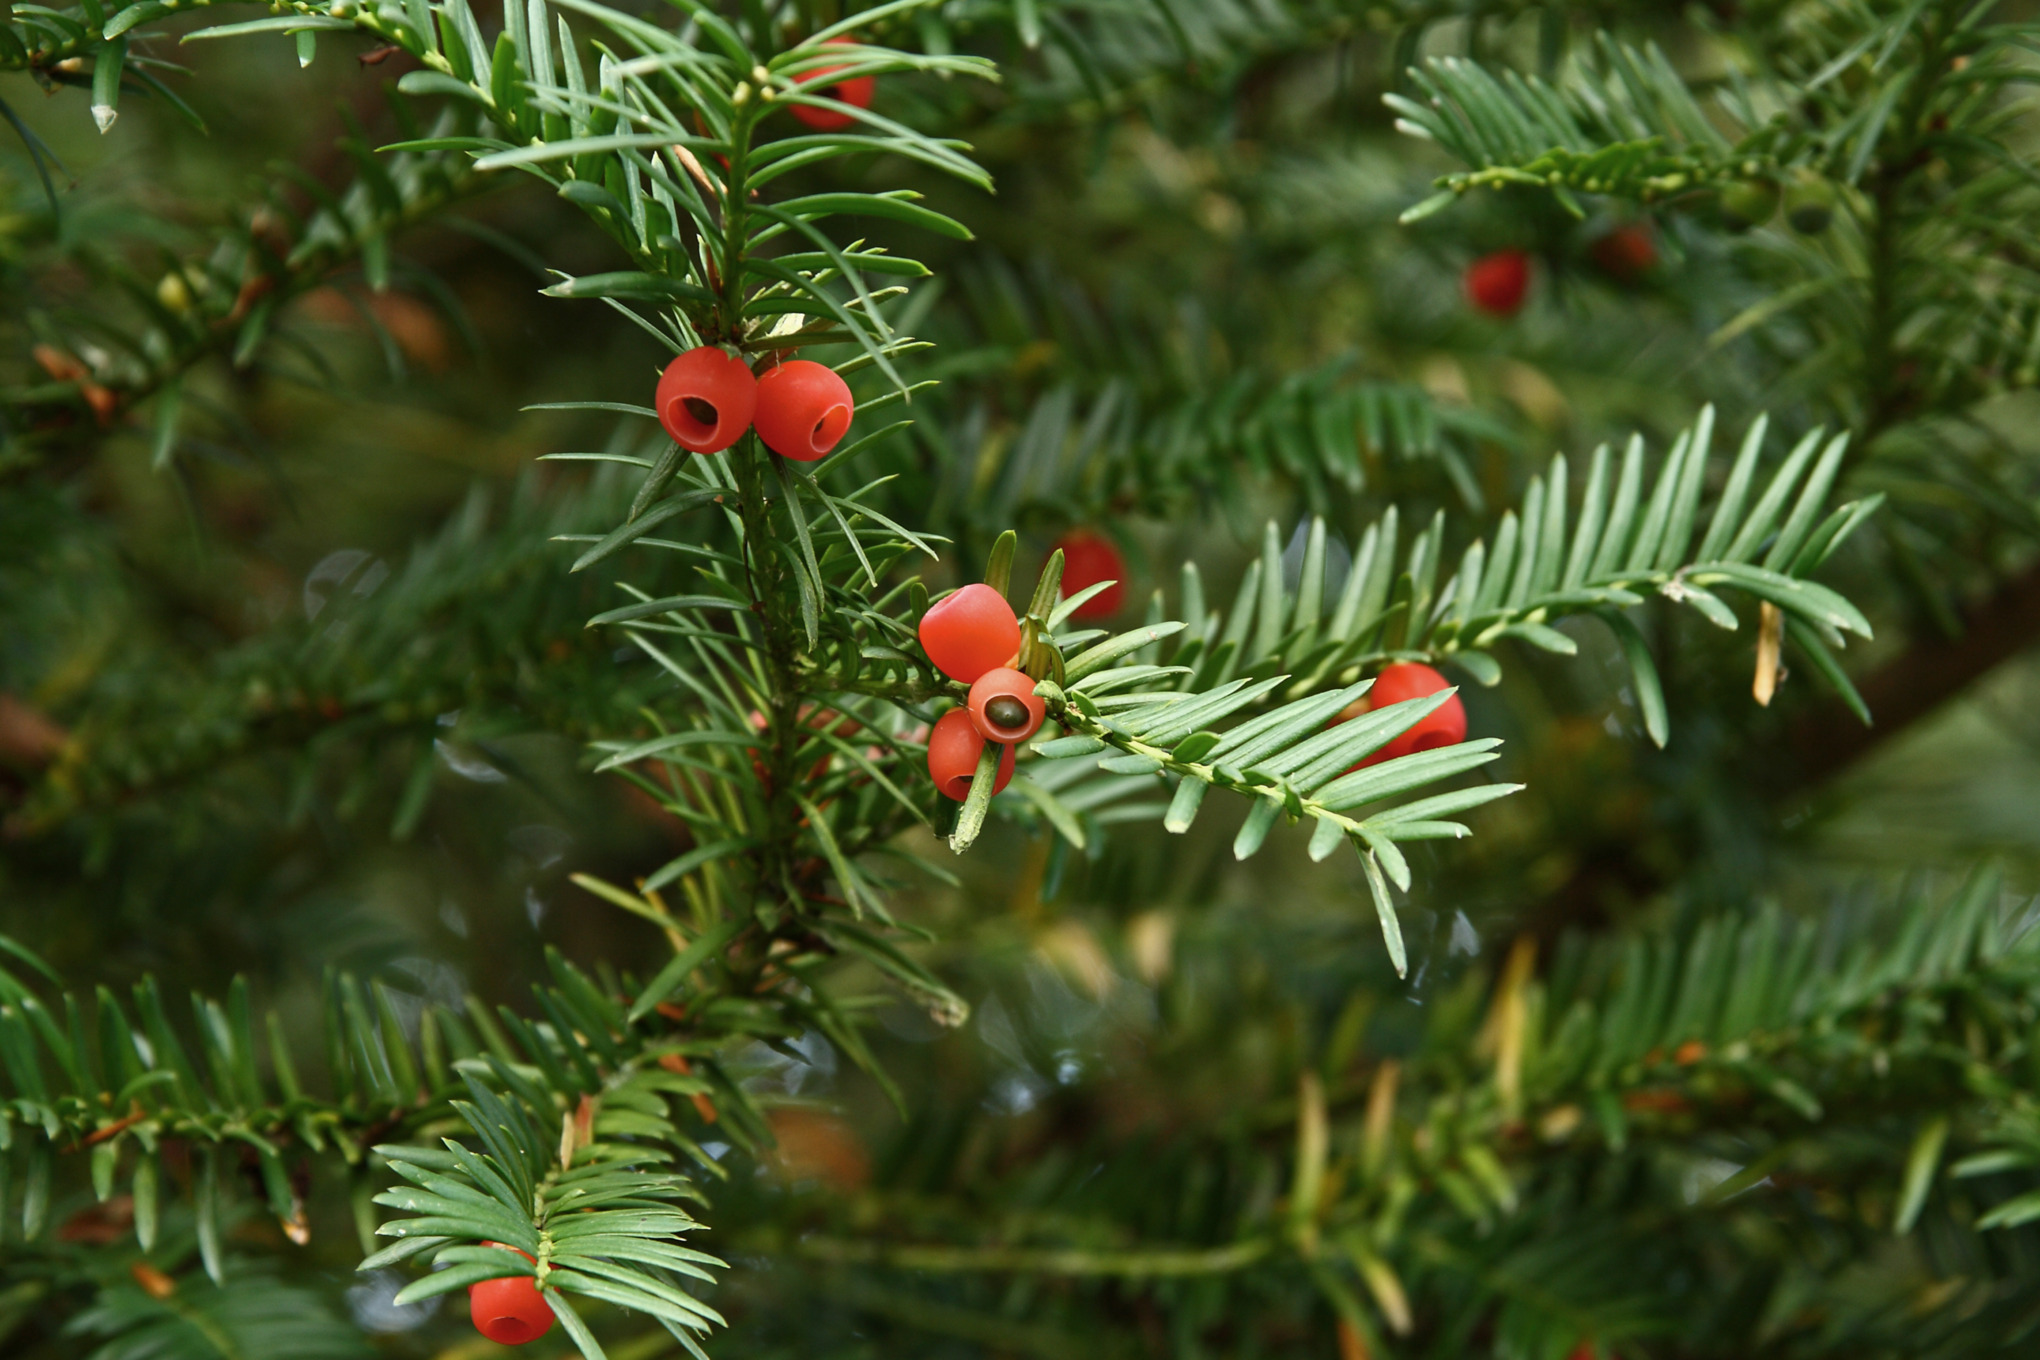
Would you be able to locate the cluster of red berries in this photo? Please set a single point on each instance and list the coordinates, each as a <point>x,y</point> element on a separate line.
<point>973,637</point>
<point>856,92</point>
<point>509,1310</point>
<point>708,398</point>
<point>1443,726</point>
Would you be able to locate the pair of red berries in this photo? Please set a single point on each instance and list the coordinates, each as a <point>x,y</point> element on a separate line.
<point>1498,283</point>
<point>1002,707</point>
<point>708,398</point>
<point>973,637</point>
<point>509,1310</point>
<point>856,92</point>
<point>1443,726</point>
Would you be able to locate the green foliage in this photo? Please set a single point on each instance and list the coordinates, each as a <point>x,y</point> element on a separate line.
<point>228,300</point>
<point>1700,1069</point>
<point>1716,1103</point>
<point>256,1315</point>
<point>396,662</point>
<point>595,1218</point>
<point>1128,416</point>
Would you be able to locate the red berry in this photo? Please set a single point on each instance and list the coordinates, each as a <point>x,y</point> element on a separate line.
<point>856,92</point>
<point>1088,559</point>
<point>509,1310</point>
<point>706,399</point>
<point>1627,253</point>
<point>803,409</point>
<point>970,632</point>
<point>953,750</point>
<point>1497,283</point>
<point>1446,725</point>
<point>1004,707</point>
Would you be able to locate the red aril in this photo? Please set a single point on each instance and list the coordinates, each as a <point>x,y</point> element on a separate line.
<point>1089,558</point>
<point>705,399</point>
<point>856,92</point>
<point>803,409</point>
<point>970,632</point>
<point>953,749</point>
<point>1498,283</point>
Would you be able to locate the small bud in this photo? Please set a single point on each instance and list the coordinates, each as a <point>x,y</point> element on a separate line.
<point>742,94</point>
<point>103,115</point>
<point>173,292</point>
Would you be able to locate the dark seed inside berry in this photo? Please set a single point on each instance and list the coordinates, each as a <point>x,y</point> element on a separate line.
<point>700,410</point>
<point>1006,712</point>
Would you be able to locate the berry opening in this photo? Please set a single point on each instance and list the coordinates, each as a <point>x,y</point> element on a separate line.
<point>705,399</point>
<point>691,420</point>
<point>830,427</point>
<point>1007,712</point>
<point>510,1331</point>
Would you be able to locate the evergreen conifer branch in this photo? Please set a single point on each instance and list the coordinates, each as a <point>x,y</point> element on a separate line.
<point>1894,299</point>
<point>1114,434</point>
<point>591,1211</point>
<point>784,730</point>
<point>1306,646</point>
<point>1736,1039</point>
<point>468,639</point>
<point>1086,60</point>
<point>227,301</point>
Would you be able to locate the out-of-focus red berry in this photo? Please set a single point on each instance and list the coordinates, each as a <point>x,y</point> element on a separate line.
<point>1089,558</point>
<point>1498,283</point>
<point>856,92</point>
<point>1626,254</point>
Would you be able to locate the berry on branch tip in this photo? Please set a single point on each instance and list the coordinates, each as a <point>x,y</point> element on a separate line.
<point>1498,283</point>
<point>804,408</point>
<point>856,92</point>
<point>953,750</point>
<point>706,399</point>
<point>970,632</point>
<point>1004,707</point>
<point>1089,558</point>
<point>509,1310</point>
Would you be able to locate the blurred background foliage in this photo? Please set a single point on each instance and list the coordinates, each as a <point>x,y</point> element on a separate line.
<point>303,684</point>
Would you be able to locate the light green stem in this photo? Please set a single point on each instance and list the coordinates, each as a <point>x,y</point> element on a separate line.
<point>972,819</point>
